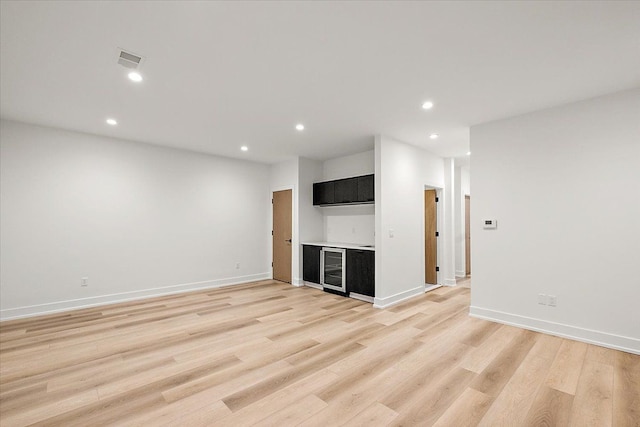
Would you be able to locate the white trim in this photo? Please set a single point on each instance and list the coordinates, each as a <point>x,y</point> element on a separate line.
<point>460,273</point>
<point>365,298</point>
<point>313,285</point>
<point>450,282</point>
<point>397,298</point>
<point>75,304</point>
<point>604,339</point>
<point>297,282</point>
<point>428,287</point>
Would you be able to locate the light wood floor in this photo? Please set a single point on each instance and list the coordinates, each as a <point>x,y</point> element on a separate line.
<point>271,354</point>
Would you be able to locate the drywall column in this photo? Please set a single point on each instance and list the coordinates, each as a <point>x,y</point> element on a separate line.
<point>459,223</point>
<point>447,244</point>
<point>379,257</point>
<point>402,173</point>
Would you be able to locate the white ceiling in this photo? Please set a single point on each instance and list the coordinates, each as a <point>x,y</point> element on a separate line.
<point>219,75</point>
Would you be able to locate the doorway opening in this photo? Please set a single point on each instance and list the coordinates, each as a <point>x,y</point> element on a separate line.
<point>282,233</point>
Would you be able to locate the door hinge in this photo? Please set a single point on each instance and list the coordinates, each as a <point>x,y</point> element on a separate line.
<point>437,268</point>
<point>271,201</point>
<point>272,232</point>
<point>437,234</point>
<point>271,264</point>
<point>437,199</point>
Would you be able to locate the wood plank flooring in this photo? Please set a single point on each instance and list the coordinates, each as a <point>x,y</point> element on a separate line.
<point>270,354</point>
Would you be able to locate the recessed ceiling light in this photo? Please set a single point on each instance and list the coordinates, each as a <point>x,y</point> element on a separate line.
<point>244,148</point>
<point>434,136</point>
<point>135,76</point>
<point>427,105</point>
<point>300,126</point>
<point>112,122</point>
<point>468,153</point>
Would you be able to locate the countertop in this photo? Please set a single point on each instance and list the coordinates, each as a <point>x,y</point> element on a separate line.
<point>342,245</point>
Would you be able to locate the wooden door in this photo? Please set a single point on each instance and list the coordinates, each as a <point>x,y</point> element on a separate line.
<point>430,239</point>
<point>282,235</point>
<point>467,233</point>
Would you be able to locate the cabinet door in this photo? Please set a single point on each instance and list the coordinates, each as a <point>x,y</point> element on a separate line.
<point>346,190</point>
<point>311,263</point>
<point>366,188</point>
<point>361,272</point>
<point>323,193</point>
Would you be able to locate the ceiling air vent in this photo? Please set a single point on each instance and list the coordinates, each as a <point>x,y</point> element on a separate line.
<point>129,60</point>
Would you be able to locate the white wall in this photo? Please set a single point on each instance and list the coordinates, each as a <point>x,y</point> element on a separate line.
<point>136,219</point>
<point>402,172</point>
<point>563,184</point>
<point>348,166</point>
<point>462,189</point>
<point>465,182</point>
<point>349,224</point>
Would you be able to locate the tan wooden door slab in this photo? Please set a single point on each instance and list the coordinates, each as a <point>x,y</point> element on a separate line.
<point>430,239</point>
<point>282,235</point>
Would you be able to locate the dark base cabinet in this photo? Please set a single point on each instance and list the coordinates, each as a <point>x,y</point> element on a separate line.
<point>311,263</point>
<point>361,272</point>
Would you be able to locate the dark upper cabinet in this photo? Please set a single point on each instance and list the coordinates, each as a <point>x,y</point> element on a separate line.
<point>365,188</point>
<point>361,272</point>
<point>311,263</point>
<point>345,190</point>
<point>359,189</point>
<point>323,193</point>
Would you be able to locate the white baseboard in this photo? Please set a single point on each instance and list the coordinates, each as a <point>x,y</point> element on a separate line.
<point>75,304</point>
<point>297,282</point>
<point>428,288</point>
<point>365,298</point>
<point>313,285</point>
<point>617,342</point>
<point>461,273</point>
<point>397,298</point>
<point>450,282</point>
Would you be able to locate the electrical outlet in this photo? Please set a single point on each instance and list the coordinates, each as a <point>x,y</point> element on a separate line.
<point>353,229</point>
<point>542,299</point>
<point>391,233</point>
<point>84,281</point>
<point>553,300</point>
<point>237,266</point>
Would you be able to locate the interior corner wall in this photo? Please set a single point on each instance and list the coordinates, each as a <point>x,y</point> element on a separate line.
<point>402,171</point>
<point>562,184</point>
<point>138,220</point>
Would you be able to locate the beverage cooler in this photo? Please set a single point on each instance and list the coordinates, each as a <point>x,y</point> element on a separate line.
<point>333,269</point>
